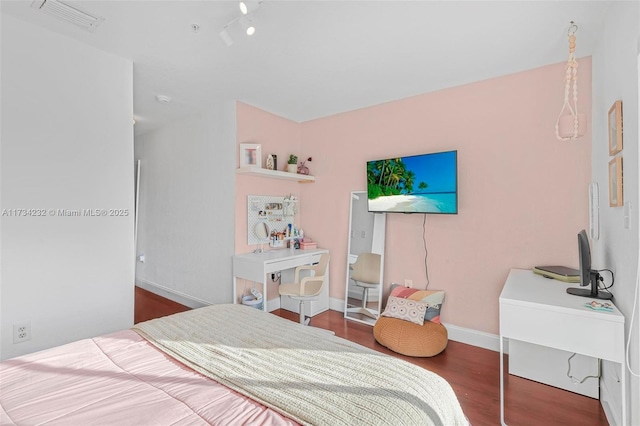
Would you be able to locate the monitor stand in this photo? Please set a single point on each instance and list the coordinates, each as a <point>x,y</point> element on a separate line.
<point>593,292</point>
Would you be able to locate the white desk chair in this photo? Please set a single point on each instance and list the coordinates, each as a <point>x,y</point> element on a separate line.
<point>366,274</point>
<point>307,288</point>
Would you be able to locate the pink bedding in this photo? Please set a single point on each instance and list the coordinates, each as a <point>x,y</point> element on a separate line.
<point>118,379</point>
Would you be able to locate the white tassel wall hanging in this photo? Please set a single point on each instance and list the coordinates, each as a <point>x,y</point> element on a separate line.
<point>570,126</point>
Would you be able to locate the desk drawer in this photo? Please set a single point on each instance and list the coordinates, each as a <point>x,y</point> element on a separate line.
<point>562,331</point>
<point>281,265</point>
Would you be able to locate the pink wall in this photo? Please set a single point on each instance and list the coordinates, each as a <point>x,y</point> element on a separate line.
<point>276,135</point>
<point>523,194</point>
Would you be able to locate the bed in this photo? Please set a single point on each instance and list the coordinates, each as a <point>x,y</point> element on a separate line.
<point>222,365</point>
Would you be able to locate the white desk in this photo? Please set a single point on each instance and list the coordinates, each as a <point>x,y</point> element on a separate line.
<point>256,266</point>
<point>538,310</point>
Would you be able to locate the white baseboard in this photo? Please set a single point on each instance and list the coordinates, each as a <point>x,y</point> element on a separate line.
<point>336,304</point>
<point>475,338</point>
<point>189,301</point>
<point>176,296</point>
<point>273,304</point>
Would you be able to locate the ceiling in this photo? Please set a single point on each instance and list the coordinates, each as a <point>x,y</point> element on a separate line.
<point>311,59</point>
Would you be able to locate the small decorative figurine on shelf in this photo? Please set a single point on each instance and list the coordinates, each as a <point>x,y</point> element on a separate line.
<point>302,168</point>
<point>272,162</point>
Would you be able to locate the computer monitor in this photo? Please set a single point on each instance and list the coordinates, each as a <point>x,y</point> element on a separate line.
<point>587,275</point>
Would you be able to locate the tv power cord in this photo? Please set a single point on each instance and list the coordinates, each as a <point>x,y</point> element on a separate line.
<point>426,253</point>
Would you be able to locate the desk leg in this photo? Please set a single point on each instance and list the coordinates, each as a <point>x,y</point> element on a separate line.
<point>502,381</point>
<point>264,292</point>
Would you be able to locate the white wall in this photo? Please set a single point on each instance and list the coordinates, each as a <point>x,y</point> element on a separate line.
<point>615,76</point>
<point>67,143</point>
<point>187,212</point>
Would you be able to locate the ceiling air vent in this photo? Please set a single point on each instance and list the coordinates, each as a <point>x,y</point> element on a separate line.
<point>68,13</point>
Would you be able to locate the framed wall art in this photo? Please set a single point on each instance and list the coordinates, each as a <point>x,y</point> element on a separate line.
<point>615,182</point>
<point>615,128</point>
<point>250,155</point>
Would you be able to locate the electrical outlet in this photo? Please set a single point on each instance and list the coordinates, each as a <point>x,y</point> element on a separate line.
<point>408,283</point>
<point>21,332</point>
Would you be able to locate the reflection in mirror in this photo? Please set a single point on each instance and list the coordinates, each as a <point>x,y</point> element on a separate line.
<point>365,260</point>
<point>261,231</point>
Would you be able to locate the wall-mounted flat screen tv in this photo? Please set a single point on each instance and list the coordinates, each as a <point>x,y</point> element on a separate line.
<point>426,183</point>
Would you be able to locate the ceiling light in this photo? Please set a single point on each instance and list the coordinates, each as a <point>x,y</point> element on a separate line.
<point>163,99</point>
<point>68,13</point>
<point>248,6</point>
<point>247,25</point>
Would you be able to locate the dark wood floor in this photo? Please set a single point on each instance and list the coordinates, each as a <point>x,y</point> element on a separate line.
<point>472,372</point>
<point>149,306</point>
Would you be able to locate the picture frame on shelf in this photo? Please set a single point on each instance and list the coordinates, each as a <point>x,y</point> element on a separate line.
<point>615,182</point>
<point>615,128</point>
<point>250,155</point>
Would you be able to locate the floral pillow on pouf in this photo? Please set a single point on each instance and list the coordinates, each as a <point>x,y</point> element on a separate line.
<point>433,299</point>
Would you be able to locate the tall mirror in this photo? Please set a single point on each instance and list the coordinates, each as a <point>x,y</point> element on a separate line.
<point>365,260</point>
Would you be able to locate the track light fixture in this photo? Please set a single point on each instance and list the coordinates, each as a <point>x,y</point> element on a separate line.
<point>244,21</point>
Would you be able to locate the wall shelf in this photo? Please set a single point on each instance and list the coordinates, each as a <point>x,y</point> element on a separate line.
<point>275,174</point>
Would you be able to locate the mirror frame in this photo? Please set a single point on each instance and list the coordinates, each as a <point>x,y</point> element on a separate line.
<point>377,246</point>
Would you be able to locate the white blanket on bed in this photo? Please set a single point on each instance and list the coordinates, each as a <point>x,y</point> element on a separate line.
<point>305,373</point>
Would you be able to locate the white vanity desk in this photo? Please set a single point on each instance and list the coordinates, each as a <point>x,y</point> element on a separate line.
<point>538,310</point>
<point>256,267</point>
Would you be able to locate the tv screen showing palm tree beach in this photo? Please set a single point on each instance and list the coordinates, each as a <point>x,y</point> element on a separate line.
<point>425,183</point>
